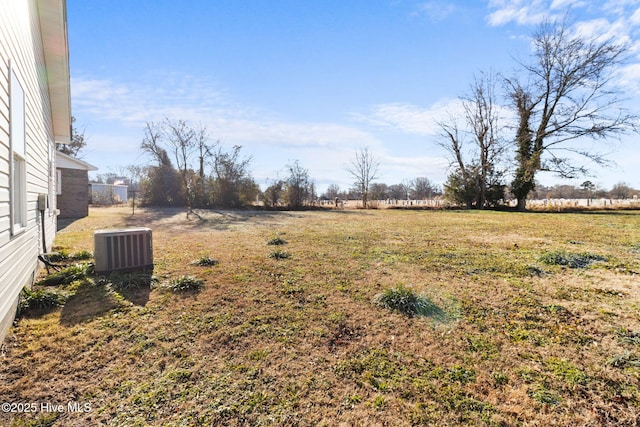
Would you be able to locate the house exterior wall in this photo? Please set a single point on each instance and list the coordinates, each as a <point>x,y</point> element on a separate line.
<point>22,54</point>
<point>73,201</point>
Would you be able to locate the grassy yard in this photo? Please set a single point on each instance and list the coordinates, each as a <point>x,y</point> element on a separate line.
<point>532,319</point>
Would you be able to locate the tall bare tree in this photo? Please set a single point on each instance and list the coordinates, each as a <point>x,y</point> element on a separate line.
<point>472,181</point>
<point>567,96</point>
<point>364,169</point>
<point>161,186</point>
<point>182,142</point>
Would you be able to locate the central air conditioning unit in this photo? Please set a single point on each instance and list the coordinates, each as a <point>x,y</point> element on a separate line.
<point>126,249</point>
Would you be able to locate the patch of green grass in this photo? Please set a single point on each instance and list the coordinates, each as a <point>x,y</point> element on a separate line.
<point>82,255</point>
<point>184,284</point>
<point>567,372</point>
<point>277,241</point>
<point>372,364</point>
<point>624,359</point>
<point>44,420</point>
<point>67,275</point>
<point>406,301</point>
<point>500,378</point>
<point>571,260</point>
<point>258,355</point>
<point>481,345</point>
<point>462,375</point>
<point>280,255</point>
<point>352,401</point>
<point>205,262</point>
<point>121,281</point>
<point>180,375</point>
<point>292,288</point>
<point>39,300</point>
<point>544,396</point>
<point>627,336</point>
<point>378,403</point>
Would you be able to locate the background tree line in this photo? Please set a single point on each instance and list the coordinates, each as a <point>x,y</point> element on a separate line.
<point>536,120</point>
<point>510,129</point>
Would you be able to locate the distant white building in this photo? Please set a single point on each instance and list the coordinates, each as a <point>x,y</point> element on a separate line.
<point>108,194</point>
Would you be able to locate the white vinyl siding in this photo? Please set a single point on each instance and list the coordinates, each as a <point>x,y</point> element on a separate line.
<point>25,163</point>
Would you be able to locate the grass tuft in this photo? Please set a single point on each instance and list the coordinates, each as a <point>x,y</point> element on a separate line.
<point>185,284</point>
<point>406,301</point>
<point>280,255</point>
<point>544,396</point>
<point>623,360</point>
<point>277,241</point>
<point>67,275</point>
<point>205,262</point>
<point>39,300</point>
<point>120,281</point>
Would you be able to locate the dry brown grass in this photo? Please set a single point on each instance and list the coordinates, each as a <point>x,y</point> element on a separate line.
<point>298,341</point>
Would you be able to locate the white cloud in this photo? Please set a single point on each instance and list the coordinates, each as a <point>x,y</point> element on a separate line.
<point>437,10</point>
<point>629,79</point>
<point>567,4</point>
<point>411,118</point>
<point>619,7</point>
<point>196,102</point>
<point>635,18</point>
<point>522,12</point>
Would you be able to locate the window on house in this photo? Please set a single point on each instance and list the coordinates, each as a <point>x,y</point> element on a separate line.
<point>52,178</point>
<point>18,157</point>
<point>58,182</point>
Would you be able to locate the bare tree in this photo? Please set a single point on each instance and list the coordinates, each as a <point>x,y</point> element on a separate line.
<point>378,191</point>
<point>233,185</point>
<point>152,144</point>
<point>567,97</point>
<point>422,188</point>
<point>364,169</point>
<point>161,183</point>
<point>272,196</point>
<point>299,189</point>
<point>482,116</point>
<point>473,181</point>
<point>181,139</point>
<point>183,143</point>
<point>333,191</point>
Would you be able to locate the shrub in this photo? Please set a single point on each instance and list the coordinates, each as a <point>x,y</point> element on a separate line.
<point>405,300</point>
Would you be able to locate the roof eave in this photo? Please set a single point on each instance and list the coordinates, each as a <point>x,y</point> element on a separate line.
<point>53,24</point>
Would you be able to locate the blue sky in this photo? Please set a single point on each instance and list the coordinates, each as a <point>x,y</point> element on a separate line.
<point>314,80</point>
